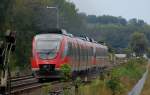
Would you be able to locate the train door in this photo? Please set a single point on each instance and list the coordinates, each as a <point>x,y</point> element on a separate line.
<point>97,56</point>
<point>74,55</point>
<point>70,54</point>
<point>64,58</point>
<point>86,55</point>
<point>94,54</point>
<point>78,56</point>
<point>82,57</point>
<point>91,55</point>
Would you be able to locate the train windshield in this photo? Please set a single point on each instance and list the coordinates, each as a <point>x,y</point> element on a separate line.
<point>47,49</point>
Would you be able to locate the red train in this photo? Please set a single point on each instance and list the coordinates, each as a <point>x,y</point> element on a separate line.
<point>51,50</point>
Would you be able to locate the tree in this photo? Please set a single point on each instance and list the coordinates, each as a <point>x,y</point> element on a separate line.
<point>138,43</point>
<point>5,14</point>
<point>137,22</point>
<point>128,52</point>
<point>31,16</point>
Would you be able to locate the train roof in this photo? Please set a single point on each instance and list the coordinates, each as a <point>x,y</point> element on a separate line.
<point>53,30</point>
<point>60,36</point>
<point>48,36</point>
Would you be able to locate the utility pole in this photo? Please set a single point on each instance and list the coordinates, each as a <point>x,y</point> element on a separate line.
<point>56,8</point>
<point>6,47</point>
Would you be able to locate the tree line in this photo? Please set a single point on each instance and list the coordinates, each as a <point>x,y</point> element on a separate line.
<point>28,17</point>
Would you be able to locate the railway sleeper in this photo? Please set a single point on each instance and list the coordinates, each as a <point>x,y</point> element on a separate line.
<point>59,92</point>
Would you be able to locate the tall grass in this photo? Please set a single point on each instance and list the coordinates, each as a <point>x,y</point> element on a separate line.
<point>120,81</point>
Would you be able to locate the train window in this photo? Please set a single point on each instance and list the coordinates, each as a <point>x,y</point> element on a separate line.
<point>87,55</point>
<point>47,44</point>
<point>78,52</point>
<point>105,52</point>
<point>97,53</point>
<point>100,53</point>
<point>65,50</point>
<point>80,57</point>
<point>69,49</point>
<point>73,52</point>
<point>91,51</point>
<point>82,53</point>
<point>47,49</point>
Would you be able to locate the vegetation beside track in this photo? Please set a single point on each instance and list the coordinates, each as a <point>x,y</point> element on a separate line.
<point>146,88</point>
<point>119,81</point>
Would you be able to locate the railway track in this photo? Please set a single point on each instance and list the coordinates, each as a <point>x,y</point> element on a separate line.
<point>23,83</point>
<point>27,83</point>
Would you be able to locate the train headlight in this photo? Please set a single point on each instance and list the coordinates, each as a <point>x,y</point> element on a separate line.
<point>45,66</point>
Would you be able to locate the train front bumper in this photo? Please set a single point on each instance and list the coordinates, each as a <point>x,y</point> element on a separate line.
<point>47,71</point>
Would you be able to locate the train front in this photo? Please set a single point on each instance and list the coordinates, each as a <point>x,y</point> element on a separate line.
<point>46,55</point>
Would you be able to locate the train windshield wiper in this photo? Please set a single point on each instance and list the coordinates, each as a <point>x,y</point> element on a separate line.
<point>46,50</point>
<point>47,54</point>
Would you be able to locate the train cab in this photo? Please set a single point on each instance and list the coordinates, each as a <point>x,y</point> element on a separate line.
<point>47,52</point>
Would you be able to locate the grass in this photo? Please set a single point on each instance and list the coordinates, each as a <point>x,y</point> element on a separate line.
<point>146,89</point>
<point>46,88</point>
<point>97,87</point>
<point>120,81</point>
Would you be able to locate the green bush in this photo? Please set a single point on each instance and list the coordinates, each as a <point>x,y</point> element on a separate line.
<point>132,69</point>
<point>115,86</point>
<point>66,71</point>
<point>114,83</point>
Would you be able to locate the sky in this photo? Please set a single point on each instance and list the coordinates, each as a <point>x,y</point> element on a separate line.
<point>128,9</point>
